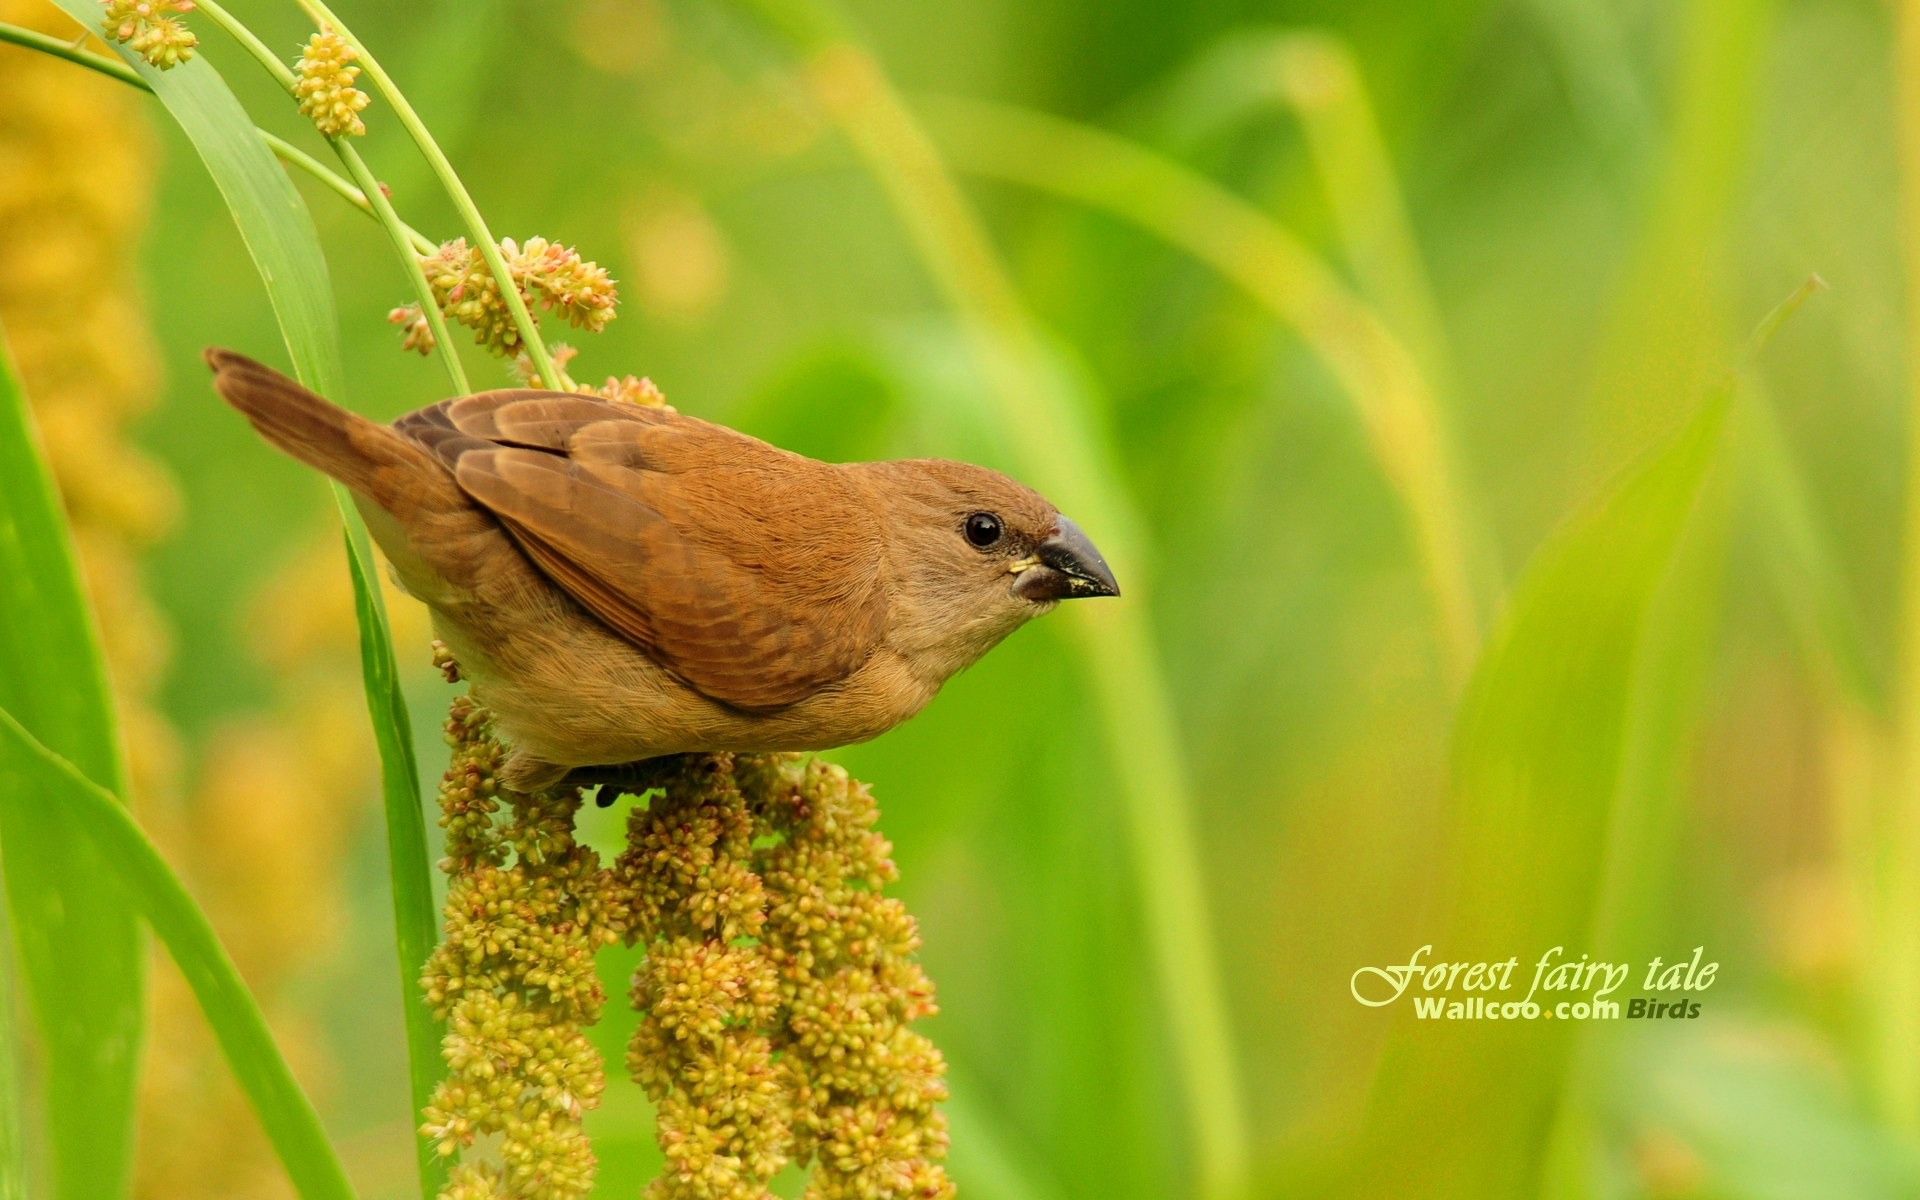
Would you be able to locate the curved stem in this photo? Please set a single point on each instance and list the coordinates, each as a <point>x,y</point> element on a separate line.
<point>530,341</point>
<point>414,917</point>
<point>292,155</point>
<point>33,39</point>
<point>231,26</point>
<point>397,232</point>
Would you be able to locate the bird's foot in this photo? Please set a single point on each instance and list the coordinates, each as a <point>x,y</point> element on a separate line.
<point>621,779</point>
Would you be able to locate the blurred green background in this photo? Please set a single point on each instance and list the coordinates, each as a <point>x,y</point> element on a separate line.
<point>1561,218</point>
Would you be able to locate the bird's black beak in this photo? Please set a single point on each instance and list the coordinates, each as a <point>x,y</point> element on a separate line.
<point>1065,567</point>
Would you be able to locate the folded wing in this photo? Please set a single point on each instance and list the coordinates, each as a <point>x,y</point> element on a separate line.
<point>750,573</point>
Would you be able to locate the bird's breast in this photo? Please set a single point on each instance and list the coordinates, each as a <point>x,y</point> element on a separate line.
<point>569,691</point>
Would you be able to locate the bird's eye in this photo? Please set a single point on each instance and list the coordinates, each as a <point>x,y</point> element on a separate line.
<point>983,530</point>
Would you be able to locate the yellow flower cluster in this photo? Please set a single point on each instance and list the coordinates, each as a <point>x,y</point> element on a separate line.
<point>514,979</point>
<point>776,992</point>
<point>545,273</point>
<point>150,29</point>
<point>778,988</point>
<point>866,1085</point>
<point>624,389</point>
<point>633,389</point>
<point>415,333</point>
<point>710,994</point>
<point>324,86</point>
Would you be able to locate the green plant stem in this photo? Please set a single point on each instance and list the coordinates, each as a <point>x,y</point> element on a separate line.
<point>288,1116</point>
<point>530,340</point>
<point>1280,273</point>
<point>415,919</point>
<point>292,155</point>
<point>33,39</point>
<point>415,924</point>
<point>231,26</point>
<point>1054,442</point>
<point>397,233</point>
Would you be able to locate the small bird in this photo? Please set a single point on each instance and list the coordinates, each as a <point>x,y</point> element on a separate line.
<point>622,582</point>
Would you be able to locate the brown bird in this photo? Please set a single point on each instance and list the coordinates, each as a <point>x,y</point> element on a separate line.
<point>623,582</point>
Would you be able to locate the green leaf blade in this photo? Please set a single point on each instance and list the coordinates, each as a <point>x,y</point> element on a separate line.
<point>30,775</point>
<point>416,925</point>
<point>80,948</point>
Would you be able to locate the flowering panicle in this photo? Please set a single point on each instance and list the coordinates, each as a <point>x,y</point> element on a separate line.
<point>624,389</point>
<point>632,389</point>
<point>415,333</point>
<point>151,29</point>
<point>778,986</point>
<point>514,979</point>
<point>866,1085</point>
<point>560,352</point>
<point>324,77</point>
<point>545,273</point>
<point>710,995</point>
<point>776,991</point>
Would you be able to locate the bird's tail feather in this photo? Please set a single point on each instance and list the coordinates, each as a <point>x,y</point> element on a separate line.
<point>371,459</point>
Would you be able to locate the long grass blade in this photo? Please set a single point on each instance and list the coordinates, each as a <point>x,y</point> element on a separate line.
<point>1540,749</point>
<point>1313,75</point>
<point>1648,815</point>
<point>279,233</point>
<point>415,921</point>
<point>1391,397</point>
<point>1803,563</point>
<point>80,949</point>
<point>31,775</point>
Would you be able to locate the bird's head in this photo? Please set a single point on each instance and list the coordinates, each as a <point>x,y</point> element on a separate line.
<point>974,556</point>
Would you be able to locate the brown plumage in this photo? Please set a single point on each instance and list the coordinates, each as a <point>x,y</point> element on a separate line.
<point>623,582</point>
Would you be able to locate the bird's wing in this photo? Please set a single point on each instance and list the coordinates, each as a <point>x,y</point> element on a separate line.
<point>750,573</point>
